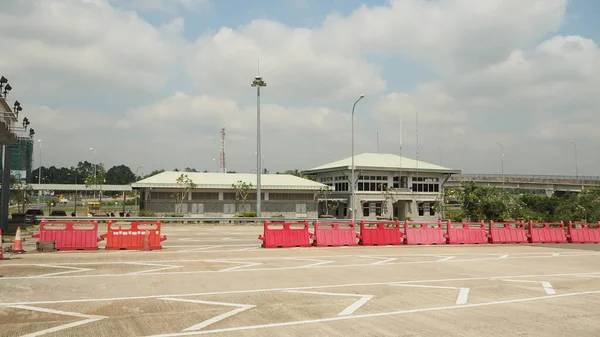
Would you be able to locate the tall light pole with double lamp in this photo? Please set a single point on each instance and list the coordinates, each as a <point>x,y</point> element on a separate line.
<point>95,172</point>
<point>353,191</point>
<point>258,83</point>
<point>40,175</point>
<point>501,162</point>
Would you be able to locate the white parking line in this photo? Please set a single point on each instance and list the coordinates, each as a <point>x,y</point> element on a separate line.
<point>380,314</point>
<point>89,319</point>
<point>301,288</point>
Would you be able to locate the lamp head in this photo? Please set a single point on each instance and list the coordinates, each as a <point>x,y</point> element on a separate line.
<point>362,96</point>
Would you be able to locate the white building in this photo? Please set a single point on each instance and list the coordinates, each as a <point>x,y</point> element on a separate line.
<point>214,195</point>
<point>387,186</point>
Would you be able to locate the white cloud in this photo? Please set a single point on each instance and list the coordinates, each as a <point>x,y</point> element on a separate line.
<point>497,81</point>
<point>533,102</point>
<point>290,62</point>
<point>169,6</point>
<point>451,34</point>
<point>61,46</point>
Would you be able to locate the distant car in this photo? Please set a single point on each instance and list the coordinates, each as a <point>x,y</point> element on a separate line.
<point>58,213</point>
<point>32,215</point>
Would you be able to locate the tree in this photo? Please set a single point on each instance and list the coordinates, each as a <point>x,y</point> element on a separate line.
<point>187,185</point>
<point>323,193</point>
<point>153,173</point>
<point>388,197</point>
<point>120,175</point>
<point>97,179</point>
<point>19,192</point>
<point>242,190</point>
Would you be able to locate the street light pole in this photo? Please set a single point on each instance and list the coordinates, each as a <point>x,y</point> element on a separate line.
<point>258,83</point>
<point>40,175</point>
<point>576,161</point>
<point>353,191</point>
<point>501,162</point>
<point>95,172</point>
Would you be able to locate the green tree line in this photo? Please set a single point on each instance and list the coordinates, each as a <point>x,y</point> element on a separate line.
<point>473,203</point>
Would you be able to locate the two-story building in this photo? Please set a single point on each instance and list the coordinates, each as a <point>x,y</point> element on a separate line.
<point>387,186</point>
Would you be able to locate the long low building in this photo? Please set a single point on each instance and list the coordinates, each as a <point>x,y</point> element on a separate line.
<point>214,194</point>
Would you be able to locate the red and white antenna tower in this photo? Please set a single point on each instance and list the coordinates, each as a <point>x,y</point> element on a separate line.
<point>222,161</point>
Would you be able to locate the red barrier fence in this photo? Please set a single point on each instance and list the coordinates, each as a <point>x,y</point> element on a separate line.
<point>130,235</point>
<point>285,234</point>
<point>334,234</point>
<point>467,233</point>
<point>547,232</point>
<point>584,232</point>
<point>508,232</point>
<point>424,233</point>
<point>380,233</point>
<point>70,235</point>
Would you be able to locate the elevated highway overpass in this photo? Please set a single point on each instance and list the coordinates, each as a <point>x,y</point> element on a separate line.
<point>548,183</point>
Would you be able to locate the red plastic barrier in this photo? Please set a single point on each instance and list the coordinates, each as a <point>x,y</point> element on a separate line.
<point>467,233</point>
<point>584,232</point>
<point>281,234</point>
<point>424,233</point>
<point>508,232</point>
<point>70,235</point>
<point>547,232</point>
<point>380,233</point>
<point>329,234</point>
<point>130,235</point>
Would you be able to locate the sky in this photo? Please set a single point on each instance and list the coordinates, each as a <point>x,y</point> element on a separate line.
<point>458,82</point>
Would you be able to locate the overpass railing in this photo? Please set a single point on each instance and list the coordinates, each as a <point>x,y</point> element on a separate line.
<point>523,178</point>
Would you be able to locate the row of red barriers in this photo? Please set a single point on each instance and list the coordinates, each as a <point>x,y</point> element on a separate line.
<point>70,235</point>
<point>383,233</point>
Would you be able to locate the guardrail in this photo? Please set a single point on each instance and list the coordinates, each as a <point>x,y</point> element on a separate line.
<point>179,219</point>
<point>522,176</point>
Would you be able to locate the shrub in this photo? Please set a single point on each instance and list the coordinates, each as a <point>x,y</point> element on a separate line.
<point>278,216</point>
<point>144,212</point>
<point>249,214</point>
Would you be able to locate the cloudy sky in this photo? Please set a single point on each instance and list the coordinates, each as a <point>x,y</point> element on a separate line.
<point>151,82</point>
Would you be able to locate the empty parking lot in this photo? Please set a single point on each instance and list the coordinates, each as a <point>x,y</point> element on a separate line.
<point>218,281</point>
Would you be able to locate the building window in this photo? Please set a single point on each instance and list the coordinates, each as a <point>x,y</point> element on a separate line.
<point>229,208</point>
<point>301,208</point>
<point>378,209</point>
<point>431,210</point>
<point>365,207</point>
<point>341,187</point>
<point>205,196</point>
<point>421,209</point>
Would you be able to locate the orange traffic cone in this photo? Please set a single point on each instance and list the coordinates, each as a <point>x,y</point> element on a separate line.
<point>1,251</point>
<point>18,243</point>
<point>146,244</point>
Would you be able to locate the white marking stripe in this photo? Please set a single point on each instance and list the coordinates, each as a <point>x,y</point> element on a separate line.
<point>203,324</point>
<point>463,294</point>
<point>248,291</point>
<point>446,258</point>
<point>381,314</point>
<point>74,270</point>
<point>244,264</point>
<point>350,309</point>
<point>165,267</point>
<point>546,285</point>
<point>89,319</point>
